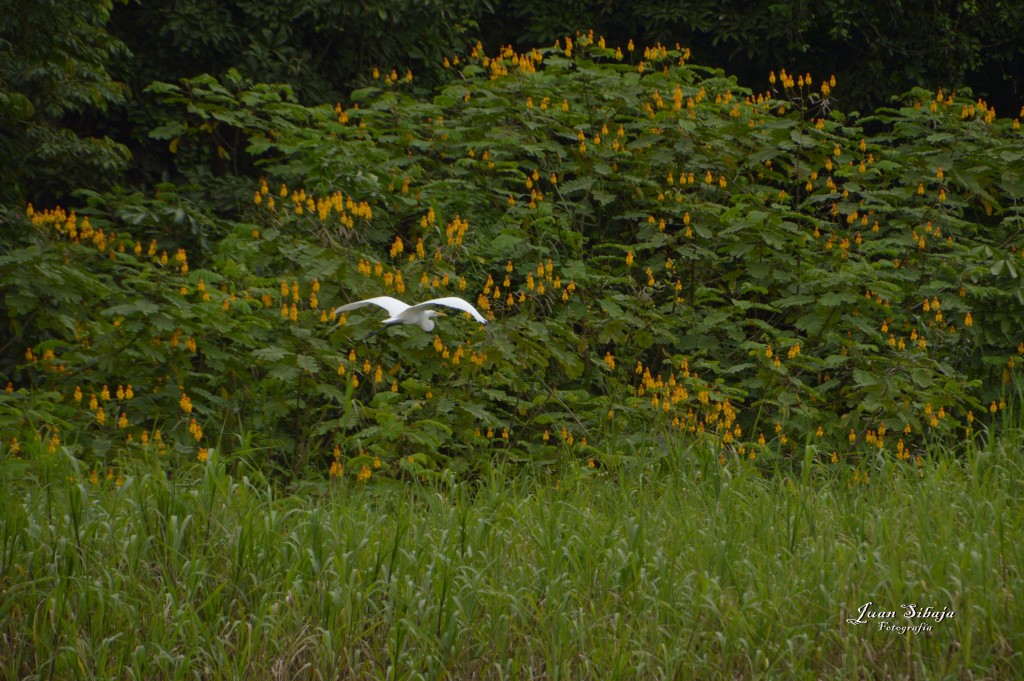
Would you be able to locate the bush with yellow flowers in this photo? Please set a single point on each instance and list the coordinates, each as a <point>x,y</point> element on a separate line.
<point>667,258</point>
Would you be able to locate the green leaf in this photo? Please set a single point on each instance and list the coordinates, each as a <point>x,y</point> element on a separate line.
<point>271,354</point>
<point>307,363</point>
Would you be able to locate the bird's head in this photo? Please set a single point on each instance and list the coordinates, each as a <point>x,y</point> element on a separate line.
<point>427,323</point>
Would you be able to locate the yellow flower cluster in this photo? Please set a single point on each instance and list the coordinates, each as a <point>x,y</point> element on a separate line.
<point>337,468</point>
<point>335,207</point>
<point>195,430</point>
<point>875,438</point>
<point>47,361</point>
<point>981,111</point>
<point>704,414</point>
<point>532,181</point>
<point>94,478</point>
<point>342,118</point>
<point>506,60</point>
<point>455,356</point>
<point>455,231</point>
<point>392,280</point>
<point>397,247</point>
<point>538,282</point>
<point>67,225</point>
<point>392,77</point>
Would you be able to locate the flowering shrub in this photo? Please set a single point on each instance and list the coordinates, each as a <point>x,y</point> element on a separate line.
<point>667,258</point>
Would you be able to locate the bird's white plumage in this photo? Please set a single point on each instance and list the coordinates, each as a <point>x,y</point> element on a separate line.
<point>392,305</point>
<point>420,314</point>
<point>453,302</point>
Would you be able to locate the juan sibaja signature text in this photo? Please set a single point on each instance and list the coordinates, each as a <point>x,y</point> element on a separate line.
<point>911,617</point>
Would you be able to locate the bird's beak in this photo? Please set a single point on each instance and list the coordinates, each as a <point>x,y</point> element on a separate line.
<point>440,314</point>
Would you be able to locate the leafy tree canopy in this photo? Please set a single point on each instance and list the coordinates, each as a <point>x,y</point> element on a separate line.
<point>54,82</point>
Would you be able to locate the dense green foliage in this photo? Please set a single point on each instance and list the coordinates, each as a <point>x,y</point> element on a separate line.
<point>753,359</point>
<point>665,255</point>
<point>53,78</point>
<point>706,572</point>
<point>876,47</point>
<point>64,65</point>
<point>320,48</point>
<point>317,46</point>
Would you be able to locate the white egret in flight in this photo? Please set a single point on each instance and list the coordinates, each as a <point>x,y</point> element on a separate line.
<point>420,314</point>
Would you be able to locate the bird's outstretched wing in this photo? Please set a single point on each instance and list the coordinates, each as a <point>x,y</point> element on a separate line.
<point>394,306</point>
<point>457,303</point>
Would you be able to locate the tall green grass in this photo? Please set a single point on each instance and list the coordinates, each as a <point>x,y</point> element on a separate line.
<point>691,570</point>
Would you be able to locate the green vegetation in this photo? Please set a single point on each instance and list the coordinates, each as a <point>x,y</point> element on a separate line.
<point>696,570</point>
<point>878,49</point>
<point>102,55</point>
<point>668,258</point>
<point>54,62</point>
<point>754,360</point>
